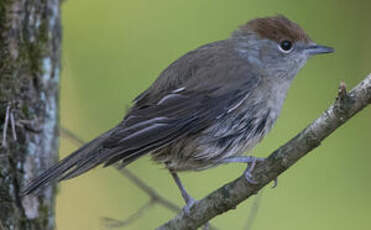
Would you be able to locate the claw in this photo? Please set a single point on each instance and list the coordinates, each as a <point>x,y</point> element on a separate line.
<point>248,177</point>
<point>187,210</point>
<point>275,182</point>
<point>206,226</point>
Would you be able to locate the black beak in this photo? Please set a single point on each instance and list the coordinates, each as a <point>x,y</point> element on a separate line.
<point>318,49</point>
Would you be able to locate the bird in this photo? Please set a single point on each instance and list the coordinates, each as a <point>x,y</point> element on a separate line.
<point>205,109</point>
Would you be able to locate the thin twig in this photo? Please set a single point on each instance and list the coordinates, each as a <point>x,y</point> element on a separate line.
<point>231,194</point>
<point>254,211</point>
<point>113,223</point>
<point>148,190</point>
<point>67,133</point>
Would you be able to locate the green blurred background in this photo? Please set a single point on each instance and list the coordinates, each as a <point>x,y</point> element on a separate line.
<point>113,50</point>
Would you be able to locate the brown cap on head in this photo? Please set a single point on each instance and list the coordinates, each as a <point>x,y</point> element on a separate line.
<point>277,28</point>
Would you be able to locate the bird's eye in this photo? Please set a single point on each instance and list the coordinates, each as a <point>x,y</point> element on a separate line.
<point>286,46</point>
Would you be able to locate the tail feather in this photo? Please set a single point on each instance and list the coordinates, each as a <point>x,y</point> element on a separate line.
<point>86,164</point>
<point>80,161</point>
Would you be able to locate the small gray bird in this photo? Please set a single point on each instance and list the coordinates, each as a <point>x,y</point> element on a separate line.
<point>207,108</point>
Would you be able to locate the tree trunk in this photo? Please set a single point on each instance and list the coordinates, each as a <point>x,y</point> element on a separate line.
<point>30,50</point>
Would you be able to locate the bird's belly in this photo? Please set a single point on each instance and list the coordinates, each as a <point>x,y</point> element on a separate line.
<point>210,147</point>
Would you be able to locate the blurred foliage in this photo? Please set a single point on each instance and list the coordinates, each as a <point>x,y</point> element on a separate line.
<point>113,50</point>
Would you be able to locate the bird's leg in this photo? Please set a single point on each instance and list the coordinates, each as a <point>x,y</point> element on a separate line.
<point>250,160</point>
<point>187,198</point>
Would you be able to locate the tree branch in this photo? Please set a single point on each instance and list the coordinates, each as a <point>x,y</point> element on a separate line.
<point>231,194</point>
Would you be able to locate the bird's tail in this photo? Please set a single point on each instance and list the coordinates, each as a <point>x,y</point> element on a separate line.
<point>80,161</point>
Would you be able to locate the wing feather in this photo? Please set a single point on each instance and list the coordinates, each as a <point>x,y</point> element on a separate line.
<point>175,120</point>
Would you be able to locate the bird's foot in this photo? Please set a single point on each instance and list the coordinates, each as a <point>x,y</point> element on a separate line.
<point>187,210</point>
<point>251,161</point>
<point>250,168</point>
<point>187,198</point>
<point>189,203</point>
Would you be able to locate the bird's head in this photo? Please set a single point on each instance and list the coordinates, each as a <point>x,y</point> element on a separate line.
<point>276,45</point>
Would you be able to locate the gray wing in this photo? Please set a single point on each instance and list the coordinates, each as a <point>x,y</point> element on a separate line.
<point>151,127</point>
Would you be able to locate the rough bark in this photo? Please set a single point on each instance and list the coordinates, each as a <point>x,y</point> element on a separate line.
<point>30,49</point>
<point>231,194</point>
